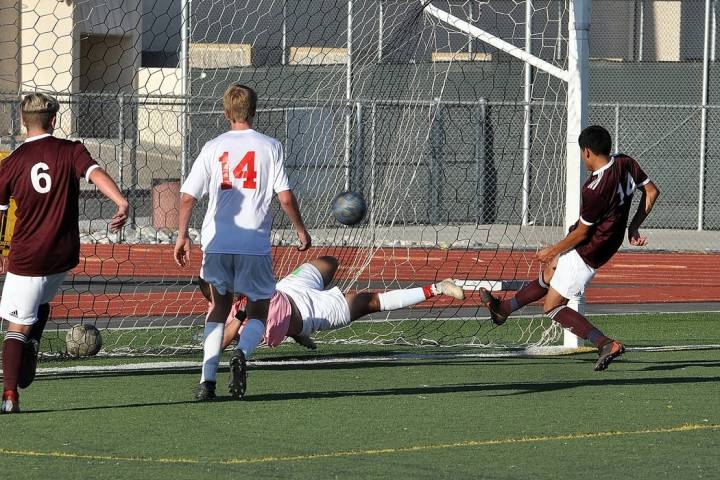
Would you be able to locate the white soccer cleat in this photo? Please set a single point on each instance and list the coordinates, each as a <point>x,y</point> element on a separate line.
<point>10,402</point>
<point>448,287</point>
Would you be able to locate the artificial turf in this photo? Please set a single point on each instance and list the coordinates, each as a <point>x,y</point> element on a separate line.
<point>652,415</point>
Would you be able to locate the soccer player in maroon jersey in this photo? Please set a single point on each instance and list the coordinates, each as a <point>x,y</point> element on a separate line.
<point>43,176</point>
<point>571,263</point>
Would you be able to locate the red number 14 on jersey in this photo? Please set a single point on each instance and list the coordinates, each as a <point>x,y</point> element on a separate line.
<point>244,170</point>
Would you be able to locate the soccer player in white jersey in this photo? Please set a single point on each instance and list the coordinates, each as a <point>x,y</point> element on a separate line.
<point>239,171</point>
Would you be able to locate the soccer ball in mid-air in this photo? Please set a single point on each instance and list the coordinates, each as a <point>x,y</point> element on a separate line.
<point>349,208</point>
<point>83,341</point>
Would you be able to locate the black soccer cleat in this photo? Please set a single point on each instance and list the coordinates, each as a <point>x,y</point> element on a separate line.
<point>205,391</point>
<point>607,353</point>
<point>238,375</point>
<point>28,365</point>
<point>493,305</point>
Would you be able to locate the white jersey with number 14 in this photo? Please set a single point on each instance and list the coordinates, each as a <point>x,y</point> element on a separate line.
<point>240,171</point>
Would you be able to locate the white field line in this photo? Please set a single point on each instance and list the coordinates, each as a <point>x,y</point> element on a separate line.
<point>532,352</point>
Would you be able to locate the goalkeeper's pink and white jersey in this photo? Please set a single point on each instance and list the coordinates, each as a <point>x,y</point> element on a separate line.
<point>239,171</point>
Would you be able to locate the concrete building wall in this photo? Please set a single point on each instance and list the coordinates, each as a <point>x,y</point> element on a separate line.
<point>158,119</point>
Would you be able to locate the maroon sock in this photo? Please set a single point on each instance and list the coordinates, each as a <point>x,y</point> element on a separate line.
<point>12,357</point>
<point>532,292</point>
<point>577,324</point>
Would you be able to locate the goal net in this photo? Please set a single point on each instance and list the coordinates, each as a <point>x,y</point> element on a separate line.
<point>458,147</point>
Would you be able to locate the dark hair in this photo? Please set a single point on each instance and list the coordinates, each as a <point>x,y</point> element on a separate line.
<point>597,139</point>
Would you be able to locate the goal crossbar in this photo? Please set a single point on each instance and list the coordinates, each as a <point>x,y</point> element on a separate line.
<point>497,42</point>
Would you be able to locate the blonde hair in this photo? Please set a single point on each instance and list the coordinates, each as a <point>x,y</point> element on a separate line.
<point>38,110</point>
<point>239,103</point>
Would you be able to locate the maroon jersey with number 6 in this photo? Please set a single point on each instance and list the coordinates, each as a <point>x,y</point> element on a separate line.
<point>43,176</point>
<point>606,198</point>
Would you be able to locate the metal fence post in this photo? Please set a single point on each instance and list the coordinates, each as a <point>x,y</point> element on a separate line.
<point>134,179</point>
<point>381,19</point>
<point>185,86</point>
<point>703,118</point>
<point>373,113</point>
<point>348,94</point>
<point>527,124</point>
<point>121,149</point>
<point>641,32</point>
<point>617,127</point>
<point>713,34</point>
<point>121,140</point>
<point>13,124</point>
<point>479,154</point>
<point>436,132</point>
<point>283,58</point>
<point>357,183</point>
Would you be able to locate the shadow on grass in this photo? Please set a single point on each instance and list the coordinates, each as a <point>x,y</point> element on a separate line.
<point>512,388</point>
<point>490,389</point>
<point>676,365</point>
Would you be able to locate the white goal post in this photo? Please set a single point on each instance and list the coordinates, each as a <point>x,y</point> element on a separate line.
<point>576,77</point>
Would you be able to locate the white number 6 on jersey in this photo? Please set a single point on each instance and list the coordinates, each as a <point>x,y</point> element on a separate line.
<point>40,180</point>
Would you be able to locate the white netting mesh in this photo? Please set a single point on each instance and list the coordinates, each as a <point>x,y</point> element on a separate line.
<point>374,96</point>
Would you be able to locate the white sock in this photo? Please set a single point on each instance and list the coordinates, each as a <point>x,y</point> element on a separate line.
<point>211,348</point>
<point>395,299</point>
<point>251,336</point>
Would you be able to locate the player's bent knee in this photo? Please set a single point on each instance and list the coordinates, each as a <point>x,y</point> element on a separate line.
<point>363,303</point>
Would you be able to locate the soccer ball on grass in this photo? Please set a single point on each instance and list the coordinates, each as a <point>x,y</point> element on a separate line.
<point>83,341</point>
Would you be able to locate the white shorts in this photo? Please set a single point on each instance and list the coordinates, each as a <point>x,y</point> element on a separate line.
<point>572,275</point>
<point>320,309</point>
<point>21,296</point>
<point>250,275</point>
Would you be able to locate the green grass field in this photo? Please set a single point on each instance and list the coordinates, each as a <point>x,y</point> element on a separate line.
<point>652,415</point>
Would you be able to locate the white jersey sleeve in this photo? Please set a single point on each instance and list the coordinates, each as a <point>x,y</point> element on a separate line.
<point>197,184</point>
<point>280,183</point>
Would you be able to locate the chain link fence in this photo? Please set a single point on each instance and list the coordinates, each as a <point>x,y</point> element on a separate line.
<point>462,155</point>
<point>467,170</point>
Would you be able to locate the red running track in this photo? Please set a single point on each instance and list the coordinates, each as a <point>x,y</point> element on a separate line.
<point>628,278</point>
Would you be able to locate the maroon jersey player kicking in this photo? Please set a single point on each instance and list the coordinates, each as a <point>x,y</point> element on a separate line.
<point>571,263</point>
<point>43,175</point>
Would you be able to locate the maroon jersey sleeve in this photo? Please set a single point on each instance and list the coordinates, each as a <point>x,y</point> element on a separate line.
<point>637,173</point>
<point>82,161</point>
<point>593,207</point>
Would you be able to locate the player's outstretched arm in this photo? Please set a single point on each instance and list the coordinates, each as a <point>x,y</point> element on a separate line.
<point>647,201</point>
<point>109,188</point>
<point>182,244</point>
<point>290,206</point>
